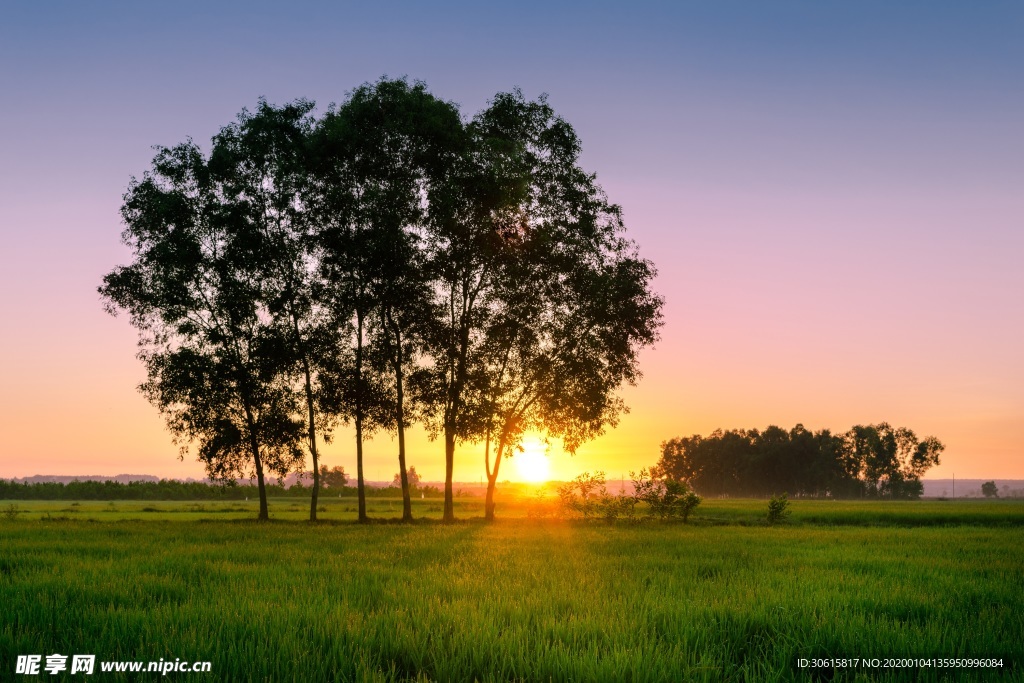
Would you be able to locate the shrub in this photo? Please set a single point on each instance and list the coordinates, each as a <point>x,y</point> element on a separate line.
<point>542,506</point>
<point>587,497</point>
<point>665,498</point>
<point>778,509</point>
<point>582,496</point>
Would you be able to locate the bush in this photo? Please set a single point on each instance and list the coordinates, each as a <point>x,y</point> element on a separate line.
<point>778,509</point>
<point>614,507</point>
<point>542,506</point>
<point>587,497</point>
<point>665,498</point>
<point>582,496</point>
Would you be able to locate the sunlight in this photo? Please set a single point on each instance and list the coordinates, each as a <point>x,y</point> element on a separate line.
<point>532,463</point>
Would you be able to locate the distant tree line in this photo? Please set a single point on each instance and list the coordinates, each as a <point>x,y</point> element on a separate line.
<point>385,263</point>
<point>170,489</point>
<point>166,489</point>
<point>873,461</point>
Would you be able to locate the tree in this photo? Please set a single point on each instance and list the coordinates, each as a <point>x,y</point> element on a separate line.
<point>412,479</point>
<point>213,359</point>
<point>989,489</point>
<point>379,156</point>
<point>542,304</point>
<point>261,166</point>
<point>893,460</point>
<point>551,362</point>
<point>333,478</point>
<point>385,262</point>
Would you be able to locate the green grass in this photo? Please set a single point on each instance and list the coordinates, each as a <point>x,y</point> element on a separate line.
<point>712,511</point>
<point>720,599</point>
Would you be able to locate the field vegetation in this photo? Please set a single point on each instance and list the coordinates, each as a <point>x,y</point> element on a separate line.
<point>723,597</point>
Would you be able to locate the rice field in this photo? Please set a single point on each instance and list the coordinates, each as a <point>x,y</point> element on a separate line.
<point>724,598</point>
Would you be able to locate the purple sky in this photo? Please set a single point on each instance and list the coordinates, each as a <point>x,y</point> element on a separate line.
<point>833,194</point>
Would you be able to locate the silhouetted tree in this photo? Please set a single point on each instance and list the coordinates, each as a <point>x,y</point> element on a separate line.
<point>893,460</point>
<point>261,165</point>
<point>333,478</point>
<point>379,157</point>
<point>555,353</point>
<point>194,292</point>
<point>989,489</point>
<point>543,305</point>
<point>412,479</point>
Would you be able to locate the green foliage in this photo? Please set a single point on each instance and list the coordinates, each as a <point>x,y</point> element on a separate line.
<point>990,490</point>
<point>665,498</point>
<point>11,512</point>
<point>617,507</point>
<point>778,509</point>
<point>586,496</point>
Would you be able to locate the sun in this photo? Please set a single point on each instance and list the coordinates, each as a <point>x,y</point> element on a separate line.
<point>532,463</point>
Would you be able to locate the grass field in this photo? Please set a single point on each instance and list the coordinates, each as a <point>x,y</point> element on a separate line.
<point>722,598</point>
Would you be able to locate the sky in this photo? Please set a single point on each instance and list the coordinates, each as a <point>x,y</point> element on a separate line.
<point>831,193</point>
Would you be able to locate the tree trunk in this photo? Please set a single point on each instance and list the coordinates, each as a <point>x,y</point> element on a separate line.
<point>254,446</point>
<point>264,515</point>
<point>489,502</point>
<point>312,443</point>
<point>449,460</point>
<point>300,348</point>
<point>400,417</point>
<point>361,485</point>
<point>451,420</point>
<point>492,482</point>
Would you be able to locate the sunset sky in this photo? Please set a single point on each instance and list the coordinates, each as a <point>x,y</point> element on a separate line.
<point>832,192</point>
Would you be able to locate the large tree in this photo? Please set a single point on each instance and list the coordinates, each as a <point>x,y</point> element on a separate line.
<point>211,351</point>
<point>261,167</point>
<point>893,459</point>
<point>542,303</point>
<point>566,336</point>
<point>378,158</point>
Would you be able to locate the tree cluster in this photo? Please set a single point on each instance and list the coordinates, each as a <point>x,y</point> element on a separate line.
<point>866,461</point>
<point>653,496</point>
<point>388,262</point>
